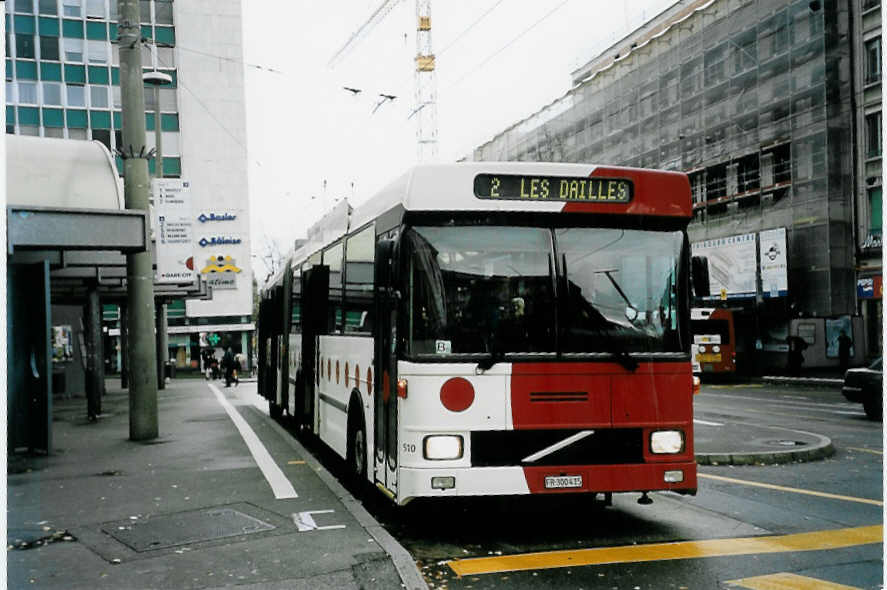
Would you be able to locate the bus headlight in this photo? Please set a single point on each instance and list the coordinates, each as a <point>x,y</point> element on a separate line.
<point>440,447</point>
<point>716,348</point>
<point>701,348</point>
<point>665,442</point>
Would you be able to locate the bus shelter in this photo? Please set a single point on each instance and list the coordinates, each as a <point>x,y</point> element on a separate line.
<point>68,234</point>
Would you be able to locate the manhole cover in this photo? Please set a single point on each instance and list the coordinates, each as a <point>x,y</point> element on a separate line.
<point>183,528</point>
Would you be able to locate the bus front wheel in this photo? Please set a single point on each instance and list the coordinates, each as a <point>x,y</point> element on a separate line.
<point>275,410</point>
<point>357,449</point>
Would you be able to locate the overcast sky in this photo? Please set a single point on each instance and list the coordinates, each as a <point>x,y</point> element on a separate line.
<point>497,62</point>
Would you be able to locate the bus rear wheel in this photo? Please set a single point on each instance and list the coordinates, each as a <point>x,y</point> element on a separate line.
<point>275,410</point>
<point>873,406</point>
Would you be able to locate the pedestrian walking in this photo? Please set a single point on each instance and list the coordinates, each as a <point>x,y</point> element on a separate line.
<point>844,345</point>
<point>796,348</point>
<point>228,367</point>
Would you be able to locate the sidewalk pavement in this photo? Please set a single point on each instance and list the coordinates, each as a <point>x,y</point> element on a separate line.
<point>190,509</point>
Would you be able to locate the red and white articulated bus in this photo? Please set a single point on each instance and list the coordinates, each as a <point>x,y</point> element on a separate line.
<point>494,329</point>
<point>714,340</point>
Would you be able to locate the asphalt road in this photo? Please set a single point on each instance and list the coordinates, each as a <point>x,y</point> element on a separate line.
<point>795,525</point>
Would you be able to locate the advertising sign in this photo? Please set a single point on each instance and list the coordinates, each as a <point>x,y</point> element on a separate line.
<point>870,287</point>
<point>732,265</point>
<point>221,272</point>
<point>774,265</point>
<point>174,235</point>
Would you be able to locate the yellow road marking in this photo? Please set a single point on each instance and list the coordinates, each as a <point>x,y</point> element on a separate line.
<point>295,462</point>
<point>771,486</point>
<point>815,541</point>
<point>786,581</point>
<point>876,452</point>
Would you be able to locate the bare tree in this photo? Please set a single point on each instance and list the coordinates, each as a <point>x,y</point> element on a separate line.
<point>270,256</point>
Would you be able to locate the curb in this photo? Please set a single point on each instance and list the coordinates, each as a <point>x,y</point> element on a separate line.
<point>821,449</point>
<point>406,568</point>
<point>811,381</point>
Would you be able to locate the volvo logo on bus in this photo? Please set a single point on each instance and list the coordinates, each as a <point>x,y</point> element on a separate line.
<point>519,187</point>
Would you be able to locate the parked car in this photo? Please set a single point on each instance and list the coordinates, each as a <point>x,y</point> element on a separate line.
<point>865,385</point>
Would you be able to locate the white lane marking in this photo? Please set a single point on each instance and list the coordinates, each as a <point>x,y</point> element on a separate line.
<point>706,423</point>
<point>557,446</point>
<point>280,485</point>
<point>305,521</point>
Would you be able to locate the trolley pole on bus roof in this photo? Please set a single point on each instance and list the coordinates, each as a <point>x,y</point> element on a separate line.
<point>139,271</point>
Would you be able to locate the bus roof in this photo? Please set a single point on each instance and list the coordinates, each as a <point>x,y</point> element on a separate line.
<point>453,187</point>
<point>465,186</point>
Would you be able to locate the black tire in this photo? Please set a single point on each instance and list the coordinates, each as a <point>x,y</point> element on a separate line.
<point>873,406</point>
<point>356,455</point>
<point>275,410</point>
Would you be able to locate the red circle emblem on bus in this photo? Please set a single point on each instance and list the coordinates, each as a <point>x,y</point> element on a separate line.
<point>457,394</point>
<point>347,374</point>
<point>386,386</point>
<point>369,381</point>
<point>329,370</point>
<point>337,372</point>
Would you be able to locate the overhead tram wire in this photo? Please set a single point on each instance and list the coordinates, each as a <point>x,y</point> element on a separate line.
<point>506,46</point>
<point>212,116</point>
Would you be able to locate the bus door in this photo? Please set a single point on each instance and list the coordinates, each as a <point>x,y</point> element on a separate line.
<point>315,297</point>
<point>385,374</point>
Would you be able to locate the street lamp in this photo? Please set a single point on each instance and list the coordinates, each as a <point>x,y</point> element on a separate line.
<point>157,79</point>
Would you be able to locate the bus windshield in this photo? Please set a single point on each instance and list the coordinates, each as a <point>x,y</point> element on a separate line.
<point>491,290</point>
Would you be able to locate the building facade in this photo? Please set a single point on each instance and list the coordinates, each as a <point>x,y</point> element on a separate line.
<point>773,109</point>
<point>62,80</point>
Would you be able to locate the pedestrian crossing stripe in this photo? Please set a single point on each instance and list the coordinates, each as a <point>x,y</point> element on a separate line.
<point>813,541</point>
<point>786,581</point>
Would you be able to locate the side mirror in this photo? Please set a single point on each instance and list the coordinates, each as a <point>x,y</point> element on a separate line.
<point>385,276</point>
<point>699,276</point>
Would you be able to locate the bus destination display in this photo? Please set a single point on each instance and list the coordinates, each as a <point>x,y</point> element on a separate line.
<point>519,187</point>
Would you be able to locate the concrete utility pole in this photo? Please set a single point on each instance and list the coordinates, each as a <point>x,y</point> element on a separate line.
<point>139,272</point>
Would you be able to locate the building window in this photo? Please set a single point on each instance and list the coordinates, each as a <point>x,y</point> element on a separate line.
<point>116,97</point>
<point>24,46</point>
<point>145,11</point>
<point>95,8</point>
<point>873,61</point>
<point>27,93</point>
<point>49,7</point>
<point>98,97</point>
<point>869,4</point>
<point>52,93</point>
<point>875,221</point>
<point>873,135</point>
<point>71,7</point>
<point>73,50</point>
<point>163,12</point>
<point>9,98</point>
<point>49,48</point>
<point>76,95</point>
<point>98,52</point>
<point>102,135</point>
<point>24,6</point>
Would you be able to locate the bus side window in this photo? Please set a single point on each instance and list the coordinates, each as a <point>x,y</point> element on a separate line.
<point>332,257</point>
<point>359,308</point>
<point>296,303</point>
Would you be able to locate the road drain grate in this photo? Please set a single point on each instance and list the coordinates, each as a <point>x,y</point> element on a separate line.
<point>183,528</point>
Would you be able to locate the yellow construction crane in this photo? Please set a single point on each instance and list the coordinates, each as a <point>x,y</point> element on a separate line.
<point>425,105</point>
